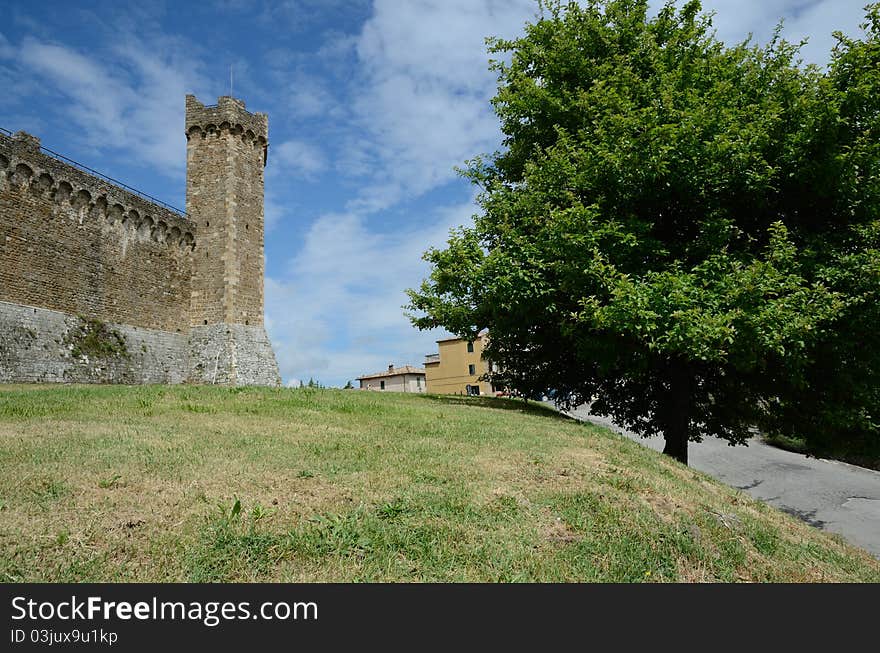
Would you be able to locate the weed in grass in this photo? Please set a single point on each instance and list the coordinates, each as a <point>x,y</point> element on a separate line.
<point>8,410</point>
<point>764,540</point>
<point>505,506</point>
<point>391,509</point>
<point>621,480</point>
<point>51,490</point>
<point>232,514</point>
<point>341,534</point>
<point>258,512</point>
<point>420,476</point>
<point>230,548</point>
<point>109,483</point>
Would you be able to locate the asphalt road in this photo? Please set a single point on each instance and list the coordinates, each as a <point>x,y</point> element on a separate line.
<point>830,495</point>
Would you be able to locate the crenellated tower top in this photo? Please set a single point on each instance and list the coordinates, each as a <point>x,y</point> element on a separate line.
<point>230,115</point>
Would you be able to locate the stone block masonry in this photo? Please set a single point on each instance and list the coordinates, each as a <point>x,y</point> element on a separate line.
<point>99,284</point>
<point>74,243</point>
<point>231,354</point>
<point>226,154</point>
<point>39,345</point>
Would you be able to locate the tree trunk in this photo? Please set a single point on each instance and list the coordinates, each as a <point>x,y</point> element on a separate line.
<point>677,422</point>
<point>676,444</point>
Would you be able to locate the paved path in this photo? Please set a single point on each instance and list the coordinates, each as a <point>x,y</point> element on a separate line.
<point>830,495</point>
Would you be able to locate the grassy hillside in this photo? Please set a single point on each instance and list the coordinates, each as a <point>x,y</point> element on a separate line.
<point>211,484</point>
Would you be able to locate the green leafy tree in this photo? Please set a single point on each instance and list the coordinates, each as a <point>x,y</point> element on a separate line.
<point>683,233</point>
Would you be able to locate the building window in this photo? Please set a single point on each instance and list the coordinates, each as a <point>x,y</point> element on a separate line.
<point>472,369</point>
<point>381,385</point>
<point>470,348</point>
<point>418,382</point>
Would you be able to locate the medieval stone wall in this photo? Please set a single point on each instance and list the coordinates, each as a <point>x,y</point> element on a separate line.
<point>74,243</point>
<point>39,345</point>
<point>100,285</point>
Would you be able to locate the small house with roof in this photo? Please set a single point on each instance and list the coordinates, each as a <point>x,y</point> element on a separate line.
<point>395,379</point>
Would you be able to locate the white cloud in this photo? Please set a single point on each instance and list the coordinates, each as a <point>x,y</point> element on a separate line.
<point>336,48</point>
<point>818,20</point>
<point>422,105</point>
<point>99,100</point>
<point>292,160</point>
<point>310,98</point>
<point>274,209</point>
<point>347,286</point>
<point>126,102</point>
<point>299,158</point>
<point>6,50</point>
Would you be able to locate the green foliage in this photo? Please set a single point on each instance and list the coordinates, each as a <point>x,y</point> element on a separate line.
<point>683,232</point>
<point>392,509</point>
<point>95,339</point>
<point>50,490</point>
<point>313,384</point>
<point>231,545</point>
<point>109,483</point>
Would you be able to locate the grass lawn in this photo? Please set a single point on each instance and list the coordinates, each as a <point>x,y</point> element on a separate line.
<point>112,483</point>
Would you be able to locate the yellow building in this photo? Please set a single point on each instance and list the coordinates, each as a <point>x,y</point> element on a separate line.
<point>457,366</point>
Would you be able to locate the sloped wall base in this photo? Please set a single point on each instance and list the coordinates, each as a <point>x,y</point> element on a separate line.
<point>39,345</point>
<point>232,354</point>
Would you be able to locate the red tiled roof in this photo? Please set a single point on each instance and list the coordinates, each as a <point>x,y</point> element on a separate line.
<point>397,371</point>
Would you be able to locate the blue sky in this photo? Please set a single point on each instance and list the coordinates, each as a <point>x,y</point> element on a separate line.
<point>371,106</point>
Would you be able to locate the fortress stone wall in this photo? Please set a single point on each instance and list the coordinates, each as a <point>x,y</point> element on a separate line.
<point>98,284</point>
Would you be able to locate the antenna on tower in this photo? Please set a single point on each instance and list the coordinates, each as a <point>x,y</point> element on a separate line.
<point>230,81</point>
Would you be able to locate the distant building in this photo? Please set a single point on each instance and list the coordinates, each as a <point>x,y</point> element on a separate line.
<point>457,367</point>
<point>395,379</point>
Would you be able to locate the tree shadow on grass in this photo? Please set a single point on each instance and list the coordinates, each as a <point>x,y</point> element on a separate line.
<point>498,403</point>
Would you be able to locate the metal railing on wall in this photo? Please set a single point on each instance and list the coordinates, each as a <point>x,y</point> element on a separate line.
<point>107,178</point>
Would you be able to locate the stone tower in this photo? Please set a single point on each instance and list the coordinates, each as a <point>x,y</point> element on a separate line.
<point>225,157</point>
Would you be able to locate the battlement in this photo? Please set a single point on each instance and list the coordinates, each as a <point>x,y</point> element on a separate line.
<point>228,116</point>
<point>23,164</point>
